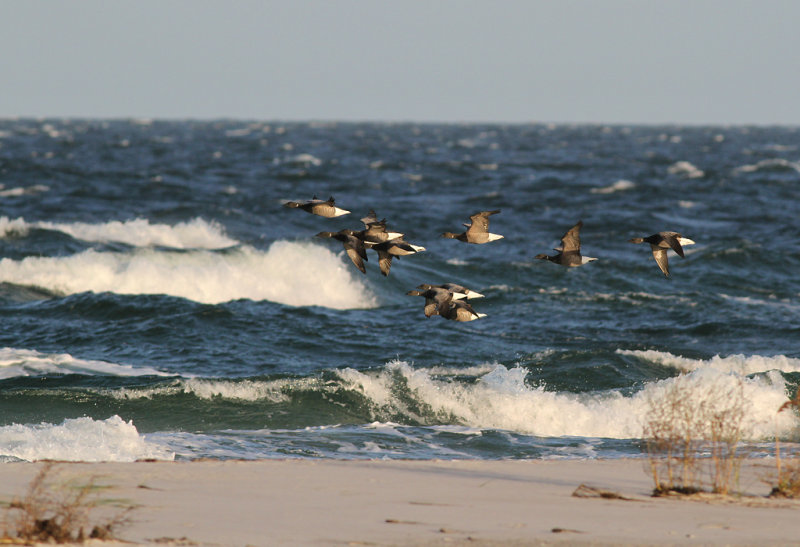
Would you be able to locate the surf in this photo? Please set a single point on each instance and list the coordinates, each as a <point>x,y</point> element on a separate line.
<point>290,273</point>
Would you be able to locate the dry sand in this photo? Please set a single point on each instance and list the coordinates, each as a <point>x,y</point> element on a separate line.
<point>430,503</point>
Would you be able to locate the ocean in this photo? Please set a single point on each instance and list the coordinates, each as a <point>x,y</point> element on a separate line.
<point>158,301</point>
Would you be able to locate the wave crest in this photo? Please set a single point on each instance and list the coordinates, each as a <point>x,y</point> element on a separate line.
<point>24,362</point>
<point>291,273</point>
<point>80,439</point>
<point>194,234</point>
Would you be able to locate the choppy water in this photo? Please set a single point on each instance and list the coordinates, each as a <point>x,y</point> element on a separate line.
<point>157,301</point>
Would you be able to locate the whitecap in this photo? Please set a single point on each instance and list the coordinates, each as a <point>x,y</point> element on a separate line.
<point>685,169</point>
<point>207,389</point>
<point>25,362</point>
<point>618,186</point>
<point>772,164</point>
<point>304,160</point>
<point>194,234</point>
<point>291,273</point>
<point>738,364</point>
<point>79,439</point>
<point>24,190</point>
<point>501,399</point>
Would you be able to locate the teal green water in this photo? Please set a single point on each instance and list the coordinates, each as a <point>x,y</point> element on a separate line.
<point>157,300</point>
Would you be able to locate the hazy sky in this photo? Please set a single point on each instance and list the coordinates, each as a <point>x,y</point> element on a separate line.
<point>627,61</point>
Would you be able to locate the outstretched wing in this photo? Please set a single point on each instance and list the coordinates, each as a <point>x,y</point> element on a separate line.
<point>480,222</point>
<point>571,241</point>
<point>661,259</point>
<point>385,262</point>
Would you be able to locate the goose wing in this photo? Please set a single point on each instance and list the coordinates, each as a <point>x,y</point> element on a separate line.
<point>480,222</point>
<point>673,240</point>
<point>661,259</point>
<point>571,241</point>
<point>384,262</point>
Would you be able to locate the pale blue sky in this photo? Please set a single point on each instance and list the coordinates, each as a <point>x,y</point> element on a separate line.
<point>623,61</point>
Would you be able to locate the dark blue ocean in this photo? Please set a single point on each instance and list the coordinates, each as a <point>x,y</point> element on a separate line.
<point>157,301</point>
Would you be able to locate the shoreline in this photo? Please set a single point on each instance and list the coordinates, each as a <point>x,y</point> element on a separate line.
<point>420,502</point>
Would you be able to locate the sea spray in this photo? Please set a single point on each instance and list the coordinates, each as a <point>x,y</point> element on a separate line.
<point>140,232</point>
<point>501,399</point>
<point>79,439</point>
<point>24,362</point>
<point>291,273</point>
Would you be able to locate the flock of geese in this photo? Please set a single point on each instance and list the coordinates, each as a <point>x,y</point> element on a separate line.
<point>448,300</point>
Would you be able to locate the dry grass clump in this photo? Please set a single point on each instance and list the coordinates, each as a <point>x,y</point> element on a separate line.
<point>692,437</point>
<point>57,510</point>
<point>788,473</point>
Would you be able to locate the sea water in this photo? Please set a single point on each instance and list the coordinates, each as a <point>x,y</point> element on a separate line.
<point>157,301</point>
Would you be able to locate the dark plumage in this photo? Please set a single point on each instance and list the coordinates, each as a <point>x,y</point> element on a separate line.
<point>392,248</point>
<point>437,300</point>
<point>445,302</point>
<point>352,245</point>
<point>660,243</point>
<point>569,254</point>
<point>318,207</point>
<point>478,231</point>
<point>453,288</point>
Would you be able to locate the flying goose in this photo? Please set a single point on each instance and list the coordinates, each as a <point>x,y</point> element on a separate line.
<point>318,207</point>
<point>660,243</point>
<point>478,231</point>
<point>437,300</point>
<point>461,311</point>
<point>353,245</point>
<point>569,254</point>
<point>393,248</point>
<point>375,230</point>
<point>453,288</point>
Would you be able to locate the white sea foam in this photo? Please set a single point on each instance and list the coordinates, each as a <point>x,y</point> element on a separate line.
<point>501,399</point>
<point>25,362</point>
<point>292,273</point>
<point>738,364</point>
<point>304,160</point>
<point>618,186</point>
<point>685,169</point>
<point>23,190</point>
<point>772,164</point>
<point>202,388</point>
<point>194,234</point>
<point>80,439</point>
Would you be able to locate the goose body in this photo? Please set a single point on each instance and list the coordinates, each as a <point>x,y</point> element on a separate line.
<point>442,300</point>
<point>375,230</point>
<point>323,208</point>
<point>437,301</point>
<point>478,231</point>
<point>352,245</point>
<point>569,253</point>
<point>459,291</point>
<point>660,243</point>
<point>461,311</point>
<point>390,249</point>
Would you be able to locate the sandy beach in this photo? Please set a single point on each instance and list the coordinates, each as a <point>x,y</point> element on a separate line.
<point>431,503</point>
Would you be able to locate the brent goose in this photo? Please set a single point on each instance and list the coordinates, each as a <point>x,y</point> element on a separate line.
<point>437,300</point>
<point>569,254</point>
<point>660,243</point>
<point>318,207</point>
<point>393,248</point>
<point>453,288</point>
<point>461,311</point>
<point>448,304</point>
<point>375,230</point>
<point>353,245</point>
<point>478,231</point>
